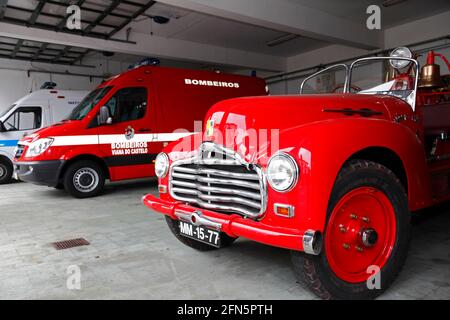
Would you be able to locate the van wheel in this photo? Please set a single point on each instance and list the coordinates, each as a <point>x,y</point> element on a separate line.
<point>366,238</point>
<point>6,171</point>
<point>226,240</point>
<point>84,179</point>
<point>59,186</point>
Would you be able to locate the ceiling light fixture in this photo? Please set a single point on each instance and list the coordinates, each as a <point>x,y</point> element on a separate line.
<point>282,39</point>
<point>390,3</point>
<point>160,19</point>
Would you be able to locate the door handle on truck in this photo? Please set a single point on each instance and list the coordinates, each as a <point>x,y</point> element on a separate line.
<point>145,130</point>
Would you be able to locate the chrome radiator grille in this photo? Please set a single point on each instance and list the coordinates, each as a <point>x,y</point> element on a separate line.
<point>228,188</point>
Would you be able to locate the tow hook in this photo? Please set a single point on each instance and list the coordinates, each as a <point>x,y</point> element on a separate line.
<point>197,219</point>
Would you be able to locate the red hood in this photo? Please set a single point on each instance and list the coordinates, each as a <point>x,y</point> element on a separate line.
<point>285,112</point>
<point>66,127</point>
<point>238,117</point>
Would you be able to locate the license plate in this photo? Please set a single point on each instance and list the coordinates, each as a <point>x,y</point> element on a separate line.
<point>200,233</point>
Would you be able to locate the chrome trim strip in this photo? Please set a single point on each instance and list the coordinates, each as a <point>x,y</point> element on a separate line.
<point>256,205</point>
<point>220,173</point>
<point>232,158</point>
<point>216,181</point>
<point>209,206</point>
<point>212,147</point>
<point>226,191</point>
<point>229,182</point>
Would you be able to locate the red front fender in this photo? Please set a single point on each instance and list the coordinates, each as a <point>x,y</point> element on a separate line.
<point>323,148</point>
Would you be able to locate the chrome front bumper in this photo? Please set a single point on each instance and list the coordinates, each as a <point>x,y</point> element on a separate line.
<point>234,225</point>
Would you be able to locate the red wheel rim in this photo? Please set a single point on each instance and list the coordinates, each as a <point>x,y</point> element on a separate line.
<point>360,217</point>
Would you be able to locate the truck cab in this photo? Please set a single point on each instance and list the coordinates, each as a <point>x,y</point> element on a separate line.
<point>116,132</point>
<point>36,110</point>
<point>332,174</point>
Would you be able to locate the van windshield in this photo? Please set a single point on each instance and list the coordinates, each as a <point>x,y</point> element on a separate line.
<point>2,114</point>
<point>88,103</point>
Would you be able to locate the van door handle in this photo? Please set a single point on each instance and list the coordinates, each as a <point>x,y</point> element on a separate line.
<point>145,130</point>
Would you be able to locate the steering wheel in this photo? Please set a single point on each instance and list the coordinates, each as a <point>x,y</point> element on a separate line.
<point>341,86</point>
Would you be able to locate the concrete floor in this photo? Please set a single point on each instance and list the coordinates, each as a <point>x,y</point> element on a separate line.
<point>133,255</point>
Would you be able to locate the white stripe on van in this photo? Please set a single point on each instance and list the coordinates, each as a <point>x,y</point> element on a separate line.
<point>75,140</point>
<point>116,138</point>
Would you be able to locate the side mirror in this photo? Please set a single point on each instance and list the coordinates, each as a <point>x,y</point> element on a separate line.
<point>104,116</point>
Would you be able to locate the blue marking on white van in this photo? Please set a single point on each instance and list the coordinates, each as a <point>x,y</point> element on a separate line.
<point>8,143</point>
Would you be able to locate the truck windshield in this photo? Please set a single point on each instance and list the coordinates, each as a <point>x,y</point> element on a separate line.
<point>88,103</point>
<point>329,80</point>
<point>376,76</point>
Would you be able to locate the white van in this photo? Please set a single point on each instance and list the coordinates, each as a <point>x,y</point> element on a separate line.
<point>34,111</point>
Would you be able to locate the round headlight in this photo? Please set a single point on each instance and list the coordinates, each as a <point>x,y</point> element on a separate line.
<point>282,172</point>
<point>161,165</point>
<point>402,52</point>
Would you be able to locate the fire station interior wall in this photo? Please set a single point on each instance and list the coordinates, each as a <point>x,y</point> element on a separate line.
<point>413,32</point>
<point>15,82</point>
<point>292,86</point>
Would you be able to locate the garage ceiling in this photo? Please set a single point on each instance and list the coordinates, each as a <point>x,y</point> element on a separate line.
<point>100,18</point>
<point>204,28</point>
<point>192,26</point>
<point>18,49</point>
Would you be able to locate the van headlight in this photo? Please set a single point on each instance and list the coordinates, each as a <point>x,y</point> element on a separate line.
<point>38,147</point>
<point>282,172</point>
<point>161,165</point>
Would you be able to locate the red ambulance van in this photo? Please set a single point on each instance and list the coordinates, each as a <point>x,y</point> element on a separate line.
<point>116,132</point>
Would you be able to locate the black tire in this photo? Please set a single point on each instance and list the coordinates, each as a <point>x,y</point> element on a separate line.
<point>6,171</point>
<point>59,186</point>
<point>84,179</point>
<point>315,271</point>
<point>226,240</point>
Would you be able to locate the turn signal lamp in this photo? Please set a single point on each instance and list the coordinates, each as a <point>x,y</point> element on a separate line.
<point>162,189</point>
<point>284,210</point>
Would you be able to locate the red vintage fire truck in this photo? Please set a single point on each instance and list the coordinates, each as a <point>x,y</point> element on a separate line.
<point>332,176</point>
<point>116,132</point>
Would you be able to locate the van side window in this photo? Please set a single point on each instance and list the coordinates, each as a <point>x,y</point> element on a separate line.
<point>24,118</point>
<point>128,104</point>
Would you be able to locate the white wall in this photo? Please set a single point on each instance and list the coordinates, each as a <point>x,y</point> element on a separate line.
<point>16,83</point>
<point>419,30</point>
<point>413,32</point>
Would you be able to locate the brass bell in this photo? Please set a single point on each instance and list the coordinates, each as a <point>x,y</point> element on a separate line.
<point>430,76</point>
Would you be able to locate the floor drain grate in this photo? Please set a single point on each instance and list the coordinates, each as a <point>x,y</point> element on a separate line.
<point>66,244</point>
